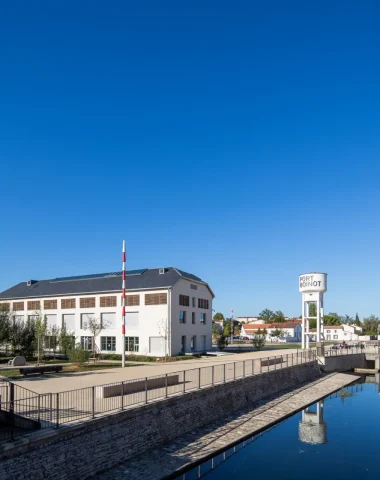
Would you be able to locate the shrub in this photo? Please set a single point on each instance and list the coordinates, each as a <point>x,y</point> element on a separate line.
<point>78,355</point>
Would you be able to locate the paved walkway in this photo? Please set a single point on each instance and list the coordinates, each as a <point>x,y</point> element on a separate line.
<point>71,381</point>
<point>228,431</point>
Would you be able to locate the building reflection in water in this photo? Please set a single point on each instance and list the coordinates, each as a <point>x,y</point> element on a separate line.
<point>312,429</point>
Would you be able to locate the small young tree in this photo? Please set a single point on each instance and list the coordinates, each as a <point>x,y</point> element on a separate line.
<point>15,335</point>
<point>95,327</point>
<point>221,340</point>
<point>219,316</point>
<point>66,340</point>
<point>78,355</point>
<point>40,328</point>
<point>28,340</point>
<point>259,339</point>
<point>52,338</point>
<point>6,318</point>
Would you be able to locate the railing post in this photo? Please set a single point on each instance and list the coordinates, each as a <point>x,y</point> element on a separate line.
<point>184,381</point>
<point>93,402</point>
<point>268,364</point>
<point>122,396</point>
<point>212,376</point>
<point>199,378</point>
<point>57,419</point>
<point>38,408</point>
<point>224,373</point>
<point>234,370</point>
<point>275,362</point>
<point>244,368</point>
<point>166,385</point>
<point>11,408</point>
<point>287,360</point>
<point>51,408</point>
<point>253,367</point>
<point>146,390</point>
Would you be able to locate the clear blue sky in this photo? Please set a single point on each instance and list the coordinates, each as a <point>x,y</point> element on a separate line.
<point>235,140</point>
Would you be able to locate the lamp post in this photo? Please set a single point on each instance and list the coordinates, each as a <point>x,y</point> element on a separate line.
<point>123,280</point>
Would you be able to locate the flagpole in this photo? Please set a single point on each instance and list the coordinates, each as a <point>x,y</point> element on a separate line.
<point>123,279</point>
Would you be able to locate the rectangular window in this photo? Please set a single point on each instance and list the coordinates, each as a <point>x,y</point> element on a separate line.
<point>132,344</point>
<point>51,342</point>
<point>34,305</point>
<point>182,317</point>
<point>108,344</point>
<point>203,318</point>
<point>51,321</point>
<point>87,302</point>
<point>193,318</point>
<point>132,300</point>
<point>19,318</point>
<point>183,344</point>
<point>108,301</point>
<point>5,307</point>
<point>50,304</point>
<point>335,337</point>
<point>184,300</point>
<point>193,344</point>
<point>328,331</point>
<point>87,343</point>
<point>193,302</point>
<point>193,287</point>
<point>328,337</point>
<point>156,298</point>
<point>85,319</point>
<point>202,303</point>
<point>32,318</point>
<point>108,320</point>
<point>132,320</point>
<point>67,303</point>
<point>18,306</point>
<point>68,320</point>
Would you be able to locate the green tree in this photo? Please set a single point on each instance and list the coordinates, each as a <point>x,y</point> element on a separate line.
<point>313,323</point>
<point>313,309</point>
<point>332,319</point>
<point>259,339</point>
<point>66,340</point>
<point>371,325</point>
<point>15,335</point>
<point>347,319</point>
<point>40,332</point>
<point>357,321</point>
<point>219,316</point>
<point>6,318</point>
<point>52,338</point>
<point>95,327</point>
<point>28,338</point>
<point>221,341</point>
<point>278,317</point>
<point>266,315</point>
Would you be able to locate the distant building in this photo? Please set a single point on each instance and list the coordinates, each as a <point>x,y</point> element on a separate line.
<point>338,333</point>
<point>291,331</point>
<point>168,311</point>
<point>249,320</point>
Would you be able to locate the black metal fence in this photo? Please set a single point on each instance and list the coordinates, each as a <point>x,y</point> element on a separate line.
<point>22,410</point>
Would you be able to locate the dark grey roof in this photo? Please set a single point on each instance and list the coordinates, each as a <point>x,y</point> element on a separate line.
<point>93,283</point>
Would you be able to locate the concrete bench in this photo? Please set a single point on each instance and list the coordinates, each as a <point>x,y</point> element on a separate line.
<point>41,369</point>
<point>271,361</point>
<point>17,361</point>
<point>114,390</point>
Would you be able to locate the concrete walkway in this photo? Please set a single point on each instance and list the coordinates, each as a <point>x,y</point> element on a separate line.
<point>72,381</point>
<point>210,440</point>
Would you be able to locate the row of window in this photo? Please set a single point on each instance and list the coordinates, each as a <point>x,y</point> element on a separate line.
<point>108,344</point>
<point>68,320</point>
<point>182,317</point>
<point>184,301</point>
<point>89,302</point>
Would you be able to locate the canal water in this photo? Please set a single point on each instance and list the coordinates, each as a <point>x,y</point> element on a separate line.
<point>337,438</point>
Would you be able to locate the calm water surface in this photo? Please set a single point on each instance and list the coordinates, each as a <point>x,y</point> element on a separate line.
<point>338,438</point>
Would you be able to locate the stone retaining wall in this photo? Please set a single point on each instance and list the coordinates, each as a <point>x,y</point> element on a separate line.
<point>81,451</point>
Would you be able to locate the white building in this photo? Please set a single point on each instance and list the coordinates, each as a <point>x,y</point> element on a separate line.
<point>249,320</point>
<point>339,333</point>
<point>292,331</point>
<point>168,311</point>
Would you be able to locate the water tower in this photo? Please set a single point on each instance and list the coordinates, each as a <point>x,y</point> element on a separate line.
<point>312,429</point>
<point>312,286</point>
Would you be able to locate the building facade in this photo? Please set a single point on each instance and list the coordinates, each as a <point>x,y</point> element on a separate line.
<point>291,331</point>
<point>339,333</point>
<point>168,311</point>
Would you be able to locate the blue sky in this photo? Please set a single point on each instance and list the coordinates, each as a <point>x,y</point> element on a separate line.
<point>235,140</point>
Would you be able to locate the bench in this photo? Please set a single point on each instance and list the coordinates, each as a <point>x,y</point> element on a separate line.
<point>41,369</point>
<point>114,390</point>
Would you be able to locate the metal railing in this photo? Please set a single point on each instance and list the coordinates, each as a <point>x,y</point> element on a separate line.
<point>55,409</point>
<point>351,349</point>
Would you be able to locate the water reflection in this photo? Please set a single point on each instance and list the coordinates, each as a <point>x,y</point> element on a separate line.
<point>312,429</point>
